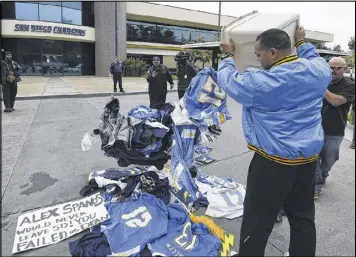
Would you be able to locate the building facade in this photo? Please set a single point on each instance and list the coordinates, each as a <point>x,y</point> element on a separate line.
<point>83,38</point>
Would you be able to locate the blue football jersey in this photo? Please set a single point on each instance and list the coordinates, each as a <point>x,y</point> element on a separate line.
<point>182,154</point>
<point>184,238</point>
<point>205,101</point>
<point>134,223</point>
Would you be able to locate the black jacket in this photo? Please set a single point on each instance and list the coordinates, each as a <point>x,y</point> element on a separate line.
<point>5,71</point>
<point>158,85</point>
<point>185,75</point>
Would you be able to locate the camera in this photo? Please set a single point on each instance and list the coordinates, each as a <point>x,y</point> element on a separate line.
<point>182,57</point>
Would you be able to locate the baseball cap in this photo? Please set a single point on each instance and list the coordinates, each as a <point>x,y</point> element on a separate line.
<point>156,59</point>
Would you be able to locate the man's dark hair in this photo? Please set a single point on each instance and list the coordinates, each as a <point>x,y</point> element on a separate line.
<point>274,38</point>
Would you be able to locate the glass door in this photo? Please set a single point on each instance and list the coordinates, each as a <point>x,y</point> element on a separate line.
<point>52,64</point>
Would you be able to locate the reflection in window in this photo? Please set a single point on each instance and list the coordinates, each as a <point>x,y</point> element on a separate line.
<point>30,64</point>
<point>52,64</point>
<point>73,5</point>
<point>25,11</point>
<point>29,46</point>
<point>72,65</point>
<point>72,47</point>
<point>157,33</point>
<point>50,13</point>
<point>51,3</point>
<point>72,16</point>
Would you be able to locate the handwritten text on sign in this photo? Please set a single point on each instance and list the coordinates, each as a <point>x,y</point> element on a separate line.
<point>53,224</point>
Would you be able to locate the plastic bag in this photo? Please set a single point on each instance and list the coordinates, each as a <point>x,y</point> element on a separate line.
<point>87,142</point>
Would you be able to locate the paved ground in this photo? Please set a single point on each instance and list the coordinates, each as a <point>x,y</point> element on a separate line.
<point>46,87</point>
<point>43,165</point>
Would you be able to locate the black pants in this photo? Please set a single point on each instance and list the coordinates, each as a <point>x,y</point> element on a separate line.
<point>118,78</point>
<point>157,99</point>
<point>9,92</point>
<point>181,93</point>
<point>271,186</point>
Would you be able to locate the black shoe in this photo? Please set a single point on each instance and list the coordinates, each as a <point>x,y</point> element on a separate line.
<point>7,110</point>
<point>12,109</point>
<point>122,91</point>
<point>352,146</point>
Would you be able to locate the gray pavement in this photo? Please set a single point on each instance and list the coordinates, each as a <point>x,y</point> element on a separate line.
<point>43,165</point>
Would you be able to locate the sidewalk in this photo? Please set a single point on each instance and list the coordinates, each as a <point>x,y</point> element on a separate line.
<point>74,87</point>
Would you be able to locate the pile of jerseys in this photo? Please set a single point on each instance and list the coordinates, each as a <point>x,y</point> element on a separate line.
<point>150,216</point>
<point>143,137</point>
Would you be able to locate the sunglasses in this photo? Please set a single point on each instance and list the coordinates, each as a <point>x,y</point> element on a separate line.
<point>337,68</point>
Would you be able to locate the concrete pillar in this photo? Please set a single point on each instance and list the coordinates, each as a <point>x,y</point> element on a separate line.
<point>104,17</point>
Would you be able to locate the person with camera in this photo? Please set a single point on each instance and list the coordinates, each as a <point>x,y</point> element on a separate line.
<point>157,77</point>
<point>10,76</point>
<point>185,72</point>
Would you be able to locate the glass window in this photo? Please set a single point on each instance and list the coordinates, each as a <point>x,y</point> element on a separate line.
<point>88,65</point>
<point>158,33</point>
<point>72,16</point>
<point>177,35</point>
<point>52,47</point>
<point>51,3</point>
<point>31,64</point>
<point>87,18</point>
<point>88,49</point>
<point>71,47</point>
<point>50,13</point>
<point>25,11</point>
<point>30,46</point>
<point>8,10</point>
<point>72,65</point>
<point>73,5</point>
<point>187,36</point>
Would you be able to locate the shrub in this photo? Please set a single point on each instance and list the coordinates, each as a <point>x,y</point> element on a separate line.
<point>135,67</point>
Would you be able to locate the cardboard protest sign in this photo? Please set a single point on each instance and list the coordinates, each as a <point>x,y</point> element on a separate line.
<point>53,224</point>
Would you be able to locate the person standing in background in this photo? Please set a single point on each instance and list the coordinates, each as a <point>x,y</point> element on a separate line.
<point>157,77</point>
<point>10,76</point>
<point>185,72</point>
<point>336,106</point>
<point>116,70</point>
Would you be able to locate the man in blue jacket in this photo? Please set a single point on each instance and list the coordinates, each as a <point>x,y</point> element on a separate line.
<point>282,125</point>
<point>117,68</point>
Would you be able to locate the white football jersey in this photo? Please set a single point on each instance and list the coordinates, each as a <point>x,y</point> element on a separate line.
<point>225,198</point>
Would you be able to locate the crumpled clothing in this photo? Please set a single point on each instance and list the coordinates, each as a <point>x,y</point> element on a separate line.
<point>143,112</point>
<point>132,140</point>
<point>204,159</point>
<point>108,119</point>
<point>148,182</point>
<point>91,244</point>
<point>200,149</point>
<point>225,195</point>
<point>111,179</point>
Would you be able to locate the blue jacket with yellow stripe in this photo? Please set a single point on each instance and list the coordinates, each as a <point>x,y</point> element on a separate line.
<point>282,106</point>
